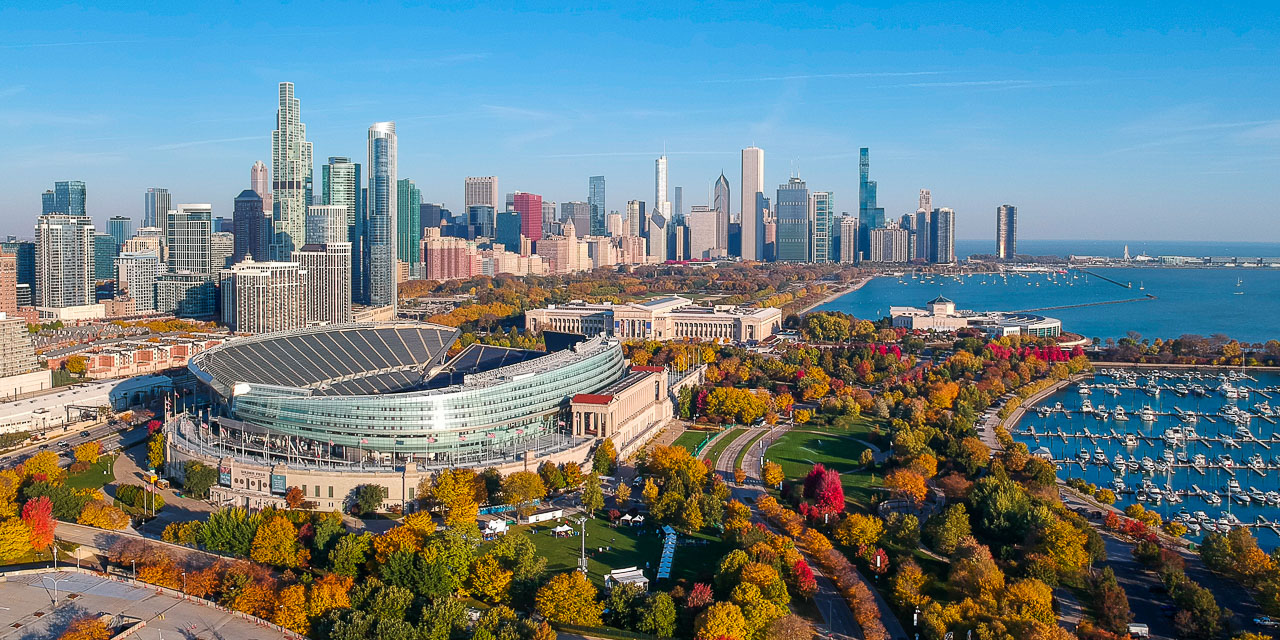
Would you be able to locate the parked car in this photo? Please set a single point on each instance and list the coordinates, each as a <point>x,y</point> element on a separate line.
<point>1266,622</point>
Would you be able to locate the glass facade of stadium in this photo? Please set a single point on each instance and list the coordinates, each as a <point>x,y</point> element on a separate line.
<point>477,419</point>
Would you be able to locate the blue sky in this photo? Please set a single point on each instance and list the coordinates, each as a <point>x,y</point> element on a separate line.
<point>1115,121</point>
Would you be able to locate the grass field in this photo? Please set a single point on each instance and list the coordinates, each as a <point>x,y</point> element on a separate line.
<point>713,452</point>
<point>93,478</point>
<point>861,426</point>
<point>798,451</point>
<point>626,547</point>
<point>691,439</point>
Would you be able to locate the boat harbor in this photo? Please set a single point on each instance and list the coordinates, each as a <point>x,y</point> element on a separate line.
<point>1201,447</point>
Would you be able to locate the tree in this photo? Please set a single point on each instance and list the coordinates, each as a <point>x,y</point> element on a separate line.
<point>198,478</point>
<point>944,531</point>
<point>1064,544</point>
<point>155,450</point>
<point>866,458</point>
<point>328,593</point>
<point>367,498</point>
<point>907,484</point>
<point>15,539</point>
<point>103,515</point>
<point>490,581</point>
<point>739,475</point>
<point>772,474</point>
<point>76,365</point>
<point>721,620</point>
<point>592,495</point>
<point>622,495</point>
<point>790,627</point>
<point>803,416</point>
<point>829,495</point>
<point>858,530</point>
<point>393,540</point>
<point>350,553</point>
<point>276,543</point>
<point>91,628</point>
<point>691,515</point>
<point>974,572</point>
<point>649,492</point>
<point>605,458</point>
<point>699,596</point>
<point>291,609</point>
<point>38,516</point>
<point>294,498</point>
<point>521,489</point>
<point>657,616</point>
<point>88,452</point>
<point>906,585</point>
<point>454,490</point>
<point>569,598</point>
<point>551,476</point>
<point>44,467</point>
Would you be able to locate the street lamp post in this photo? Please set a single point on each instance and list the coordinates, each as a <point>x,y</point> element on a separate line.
<point>184,585</point>
<point>55,587</point>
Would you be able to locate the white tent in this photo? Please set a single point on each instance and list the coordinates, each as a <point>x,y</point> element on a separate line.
<point>562,529</point>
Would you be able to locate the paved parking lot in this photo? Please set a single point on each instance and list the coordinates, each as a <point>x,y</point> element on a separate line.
<point>28,612</point>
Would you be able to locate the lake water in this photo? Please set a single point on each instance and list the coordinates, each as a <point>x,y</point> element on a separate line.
<point>1211,478</point>
<point>1200,301</point>
<point>1115,248</point>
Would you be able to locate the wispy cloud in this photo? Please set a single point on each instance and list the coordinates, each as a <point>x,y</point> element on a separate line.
<point>628,154</point>
<point>27,118</point>
<point>197,143</point>
<point>824,76</point>
<point>8,92</point>
<point>987,84</point>
<point>34,45</point>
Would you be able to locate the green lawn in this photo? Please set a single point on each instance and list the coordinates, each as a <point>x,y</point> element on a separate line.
<point>93,478</point>
<point>798,451</point>
<point>860,426</point>
<point>627,547</point>
<point>713,452</point>
<point>691,439</point>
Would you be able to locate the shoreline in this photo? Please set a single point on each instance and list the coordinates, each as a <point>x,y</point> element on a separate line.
<point>839,293</point>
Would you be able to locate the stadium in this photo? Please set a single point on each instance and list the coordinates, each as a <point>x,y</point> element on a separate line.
<point>299,407</point>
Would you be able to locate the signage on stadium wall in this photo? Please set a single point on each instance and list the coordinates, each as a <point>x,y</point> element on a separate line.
<point>278,484</point>
<point>224,475</point>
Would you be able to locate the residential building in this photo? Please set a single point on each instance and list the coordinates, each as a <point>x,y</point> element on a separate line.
<point>380,265</point>
<point>327,274</point>
<point>704,224</point>
<point>794,231</point>
<point>720,203</point>
<point>155,204</point>
<point>25,254</point>
<point>120,228</point>
<point>923,234</point>
<point>8,283</point>
<point>408,222</point>
<point>596,200</point>
<point>263,297</point>
<point>613,224</point>
<point>529,205</point>
<point>752,190</point>
<point>822,214</point>
<point>889,244</point>
<point>341,185</point>
<point>664,318</point>
<point>153,242</point>
<point>848,239</point>
<point>136,274</point>
<point>186,294</point>
<point>291,174</point>
<point>221,245</point>
<point>187,234</point>
<point>636,222</point>
<point>104,253</point>
<point>446,258</point>
<point>480,191</point>
<point>252,227</point>
<point>64,266</point>
<point>943,238</point>
<point>1006,231</point>
<point>19,370</point>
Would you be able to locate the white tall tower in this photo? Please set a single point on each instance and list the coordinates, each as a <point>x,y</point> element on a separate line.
<point>752,188</point>
<point>381,231</point>
<point>660,204</point>
<point>291,166</point>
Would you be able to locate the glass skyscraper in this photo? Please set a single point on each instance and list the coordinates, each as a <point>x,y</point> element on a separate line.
<point>794,230</point>
<point>251,226</point>
<point>120,228</point>
<point>408,223</point>
<point>68,196</point>
<point>595,198</point>
<point>380,272</point>
<point>870,216</point>
<point>291,175</point>
<point>155,204</point>
<point>187,233</point>
<point>823,212</point>
<point>104,255</point>
<point>1006,231</point>
<point>340,185</point>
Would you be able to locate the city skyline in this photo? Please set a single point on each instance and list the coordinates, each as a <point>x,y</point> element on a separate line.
<point>975,118</point>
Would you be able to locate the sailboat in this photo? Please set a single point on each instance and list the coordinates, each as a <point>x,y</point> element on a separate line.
<point>1239,283</point>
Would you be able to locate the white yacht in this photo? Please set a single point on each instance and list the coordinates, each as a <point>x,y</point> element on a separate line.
<point>1193,527</point>
<point>1162,466</point>
<point>1083,456</point>
<point>1152,389</point>
<point>1118,462</point>
<point>1228,441</point>
<point>1244,433</point>
<point>1273,498</point>
<point>1226,462</point>
<point>1130,440</point>
<point>1242,498</point>
<point>1212,499</point>
<point>1173,435</point>
<point>1198,460</point>
<point>1086,406</point>
<point>1084,390</point>
<point>1257,494</point>
<point>1233,485</point>
<point>1148,414</point>
<point>1181,457</point>
<point>1148,464</point>
<point>1256,462</point>
<point>1120,415</point>
<point>1099,456</point>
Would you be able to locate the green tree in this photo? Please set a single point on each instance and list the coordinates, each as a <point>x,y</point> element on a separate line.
<point>657,616</point>
<point>944,530</point>
<point>199,478</point>
<point>367,498</point>
<point>592,495</point>
<point>350,553</point>
<point>605,458</point>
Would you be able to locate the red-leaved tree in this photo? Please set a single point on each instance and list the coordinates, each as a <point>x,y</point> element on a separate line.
<point>811,481</point>
<point>830,493</point>
<point>806,583</point>
<point>699,596</point>
<point>38,516</point>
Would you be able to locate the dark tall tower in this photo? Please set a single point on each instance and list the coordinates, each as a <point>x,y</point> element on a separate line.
<point>720,202</point>
<point>252,228</point>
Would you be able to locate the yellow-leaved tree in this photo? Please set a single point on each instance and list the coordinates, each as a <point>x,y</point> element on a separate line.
<point>276,543</point>
<point>569,598</point>
<point>454,491</point>
<point>720,620</point>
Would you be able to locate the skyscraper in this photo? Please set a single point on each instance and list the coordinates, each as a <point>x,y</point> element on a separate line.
<point>889,244</point>
<point>530,207</point>
<point>251,226</point>
<point>848,239</point>
<point>636,222</point>
<point>68,196</point>
<point>326,260</point>
<point>408,223</point>
<point>260,182</point>
<point>120,228</point>
<point>794,232</point>
<point>481,222</point>
<point>703,226</point>
<point>926,200</point>
<point>26,259</point>
<point>822,212</point>
<point>506,229</point>
<point>64,260</point>
<point>657,236</point>
<point>660,203</point>
<point>943,236</point>
<point>720,204</point>
<point>923,239</point>
<point>595,198</point>
<point>136,273</point>
<point>8,283</point>
<point>580,214</point>
<point>104,255</point>
<point>155,203</point>
<point>326,224</point>
<point>1006,231</point>
<point>260,297</point>
<point>221,245</point>
<point>677,204</point>
<point>291,174</point>
<point>380,271</point>
<point>752,187</point>
<point>870,216</point>
<point>187,233</point>
<point>481,190</point>
<point>341,185</point>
